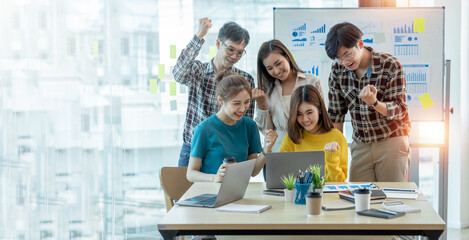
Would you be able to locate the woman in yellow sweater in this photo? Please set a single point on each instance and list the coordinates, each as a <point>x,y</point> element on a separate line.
<point>311,129</point>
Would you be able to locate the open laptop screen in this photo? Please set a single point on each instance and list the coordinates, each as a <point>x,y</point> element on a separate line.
<point>279,164</point>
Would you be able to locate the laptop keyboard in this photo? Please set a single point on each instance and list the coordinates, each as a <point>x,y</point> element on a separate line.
<point>207,202</point>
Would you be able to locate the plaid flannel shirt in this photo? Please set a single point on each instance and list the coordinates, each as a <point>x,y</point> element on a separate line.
<point>200,79</point>
<point>387,75</point>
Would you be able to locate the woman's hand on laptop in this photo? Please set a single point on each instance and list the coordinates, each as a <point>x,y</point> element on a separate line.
<point>220,173</point>
<point>331,147</point>
<point>270,138</point>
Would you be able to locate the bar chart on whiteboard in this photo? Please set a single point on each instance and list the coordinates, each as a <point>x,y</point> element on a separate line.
<point>417,81</point>
<point>406,41</point>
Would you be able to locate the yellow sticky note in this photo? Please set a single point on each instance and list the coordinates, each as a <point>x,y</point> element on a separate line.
<point>419,24</point>
<point>95,48</point>
<point>153,84</point>
<point>379,37</point>
<point>172,89</point>
<point>426,101</point>
<point>293,57</point>
<point>161,73</point>
<point>172,51</point>
<point>212,50</point>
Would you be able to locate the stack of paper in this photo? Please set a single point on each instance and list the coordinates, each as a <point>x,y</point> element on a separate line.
<point>243,208</point>
<point>401,193</point>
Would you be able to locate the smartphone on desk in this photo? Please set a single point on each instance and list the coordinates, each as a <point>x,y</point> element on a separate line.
<point>273,192</point>
<point>380,213</point>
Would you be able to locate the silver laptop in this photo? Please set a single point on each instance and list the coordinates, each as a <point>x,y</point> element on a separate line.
<point>280,164</point>
<point>233,187</point>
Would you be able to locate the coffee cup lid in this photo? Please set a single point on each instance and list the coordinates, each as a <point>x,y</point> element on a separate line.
<point>313,195</point>
<point>362,191</point>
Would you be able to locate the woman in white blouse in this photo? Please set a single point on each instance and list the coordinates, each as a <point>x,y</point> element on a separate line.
<point>278,76</point>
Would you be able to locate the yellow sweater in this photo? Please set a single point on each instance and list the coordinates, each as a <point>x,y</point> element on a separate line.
<point>336,162</point>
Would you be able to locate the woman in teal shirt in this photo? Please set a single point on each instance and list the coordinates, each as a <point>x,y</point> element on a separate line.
<point>228,133</point>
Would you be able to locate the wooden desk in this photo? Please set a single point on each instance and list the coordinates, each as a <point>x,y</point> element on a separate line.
<point>291,219</point>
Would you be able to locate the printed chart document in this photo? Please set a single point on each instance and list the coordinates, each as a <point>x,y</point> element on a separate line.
<point>401,193</point>
<point>243,208</point>
<point>343,187</point>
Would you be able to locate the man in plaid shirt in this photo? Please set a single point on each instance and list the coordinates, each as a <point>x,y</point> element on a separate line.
<point>200,77</point>
<point>371,86</point>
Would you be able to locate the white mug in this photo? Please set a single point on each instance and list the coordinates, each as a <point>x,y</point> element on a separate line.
<point>362,199</point>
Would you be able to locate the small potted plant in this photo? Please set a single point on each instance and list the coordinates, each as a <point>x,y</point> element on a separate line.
<point>289,183</point>
<point>318,181</point>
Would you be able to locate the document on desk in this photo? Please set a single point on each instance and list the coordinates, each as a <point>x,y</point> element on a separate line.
<point>348,186</point>
<point>401,193</point>
<point>243,208</point>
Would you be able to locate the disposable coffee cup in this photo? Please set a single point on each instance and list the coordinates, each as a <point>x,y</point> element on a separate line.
<point>362,199</point>
<point>229,160</point>
<point>313,203</point>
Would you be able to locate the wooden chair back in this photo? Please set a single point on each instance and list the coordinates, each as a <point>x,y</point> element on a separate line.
<point>174,183</point>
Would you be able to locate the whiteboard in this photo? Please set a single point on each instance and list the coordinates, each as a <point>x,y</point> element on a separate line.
<point>390,30</point>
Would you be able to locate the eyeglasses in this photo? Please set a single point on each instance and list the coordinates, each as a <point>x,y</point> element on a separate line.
<point>345,57</point>
<point>231,50</point>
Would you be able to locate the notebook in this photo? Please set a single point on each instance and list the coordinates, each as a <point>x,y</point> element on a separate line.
<point>233,187</point>
<point>243,208</point>
<point>280,164</point>
<point>401,193</point>
<point>377,196</point>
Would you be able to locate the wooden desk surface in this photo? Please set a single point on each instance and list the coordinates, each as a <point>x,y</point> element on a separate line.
<point>287,215</point>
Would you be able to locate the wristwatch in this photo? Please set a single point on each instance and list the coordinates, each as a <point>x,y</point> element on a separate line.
<point>375,104</point>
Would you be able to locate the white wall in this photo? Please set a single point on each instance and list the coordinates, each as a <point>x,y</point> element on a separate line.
<point>456,50</point>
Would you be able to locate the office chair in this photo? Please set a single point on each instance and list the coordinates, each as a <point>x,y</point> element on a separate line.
<point>174,183</point>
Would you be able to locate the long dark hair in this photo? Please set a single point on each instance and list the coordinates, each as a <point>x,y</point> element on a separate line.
<point>308,94</point>
<point>265,82</point>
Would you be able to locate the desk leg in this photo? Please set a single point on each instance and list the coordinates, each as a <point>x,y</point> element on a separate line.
<point>169,234</point>
<point>433,235</point>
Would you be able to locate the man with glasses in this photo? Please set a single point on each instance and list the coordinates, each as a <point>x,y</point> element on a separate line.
<point>200,77</point>
<point>371,85</point>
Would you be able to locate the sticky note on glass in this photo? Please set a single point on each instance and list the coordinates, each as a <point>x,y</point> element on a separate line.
<point>426,101</point>
<point>153,85</point>
<point>172,89</point>
<point>172,51</point>
<point>182,89</point>
<point>419,24</point>
<point>380,37</point>
<point>161,73</point>
<point>162,87</point>
<point>212,50</point>
<point>324,57</point>
<point>173,106</point>
<point>95,48</point>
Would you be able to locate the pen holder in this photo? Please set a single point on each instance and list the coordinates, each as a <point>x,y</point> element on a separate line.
<point>300,192</point>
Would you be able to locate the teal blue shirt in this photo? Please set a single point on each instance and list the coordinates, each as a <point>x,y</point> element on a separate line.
<point>214,140</point>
